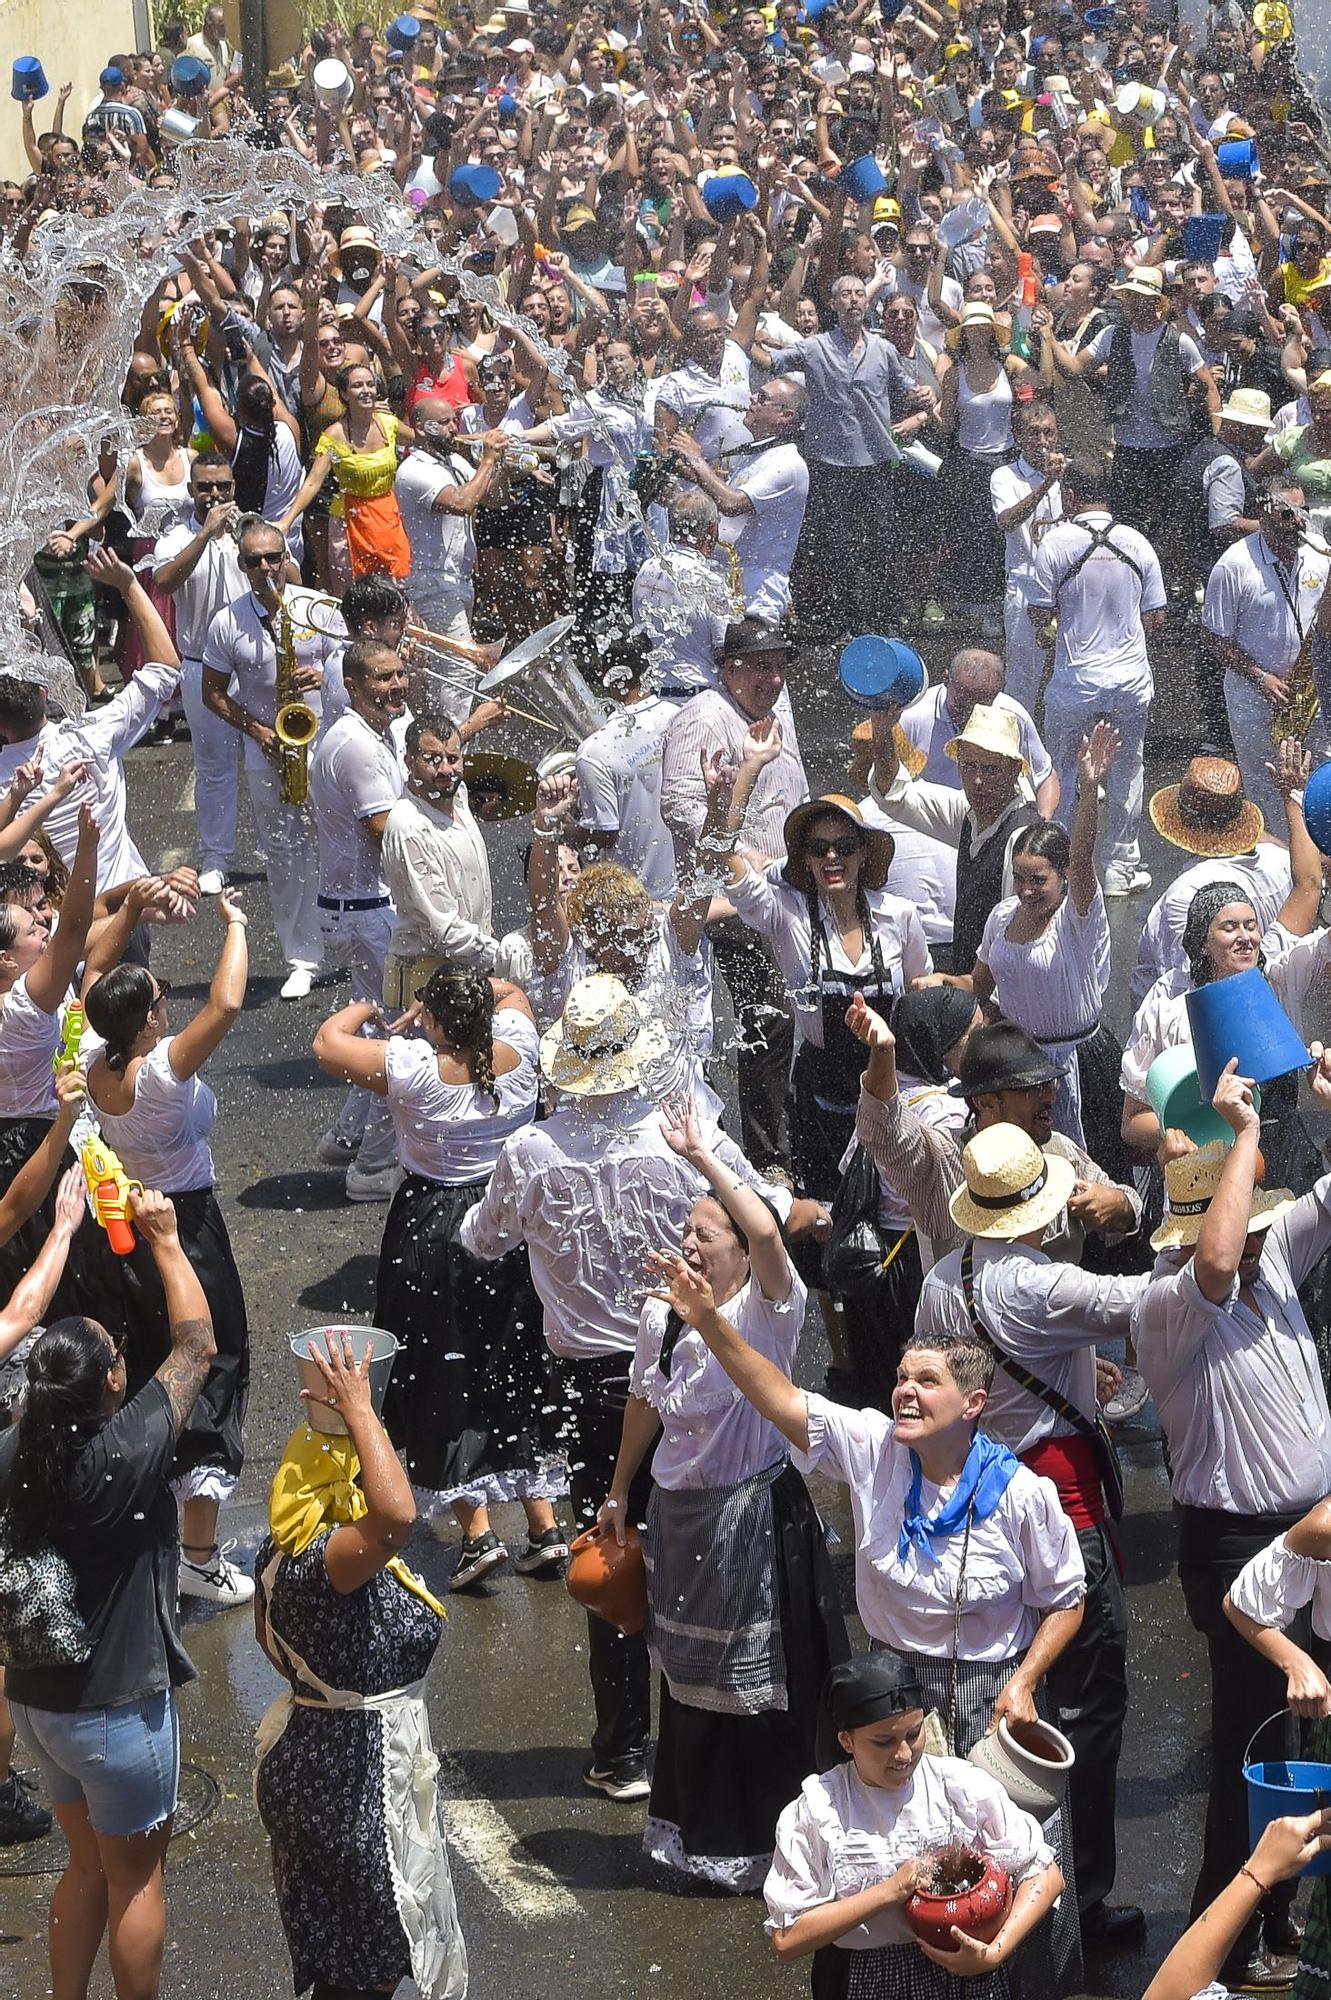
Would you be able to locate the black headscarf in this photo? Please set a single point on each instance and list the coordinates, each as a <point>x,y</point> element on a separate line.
<point>1203,910</point>
<point>926,1024</point>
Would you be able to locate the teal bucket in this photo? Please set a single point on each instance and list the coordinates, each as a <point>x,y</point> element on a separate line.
<point>1282,1787</point>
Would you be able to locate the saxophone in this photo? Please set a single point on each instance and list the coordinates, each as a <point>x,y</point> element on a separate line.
<point>1299,717</point>
<point>296,723</point>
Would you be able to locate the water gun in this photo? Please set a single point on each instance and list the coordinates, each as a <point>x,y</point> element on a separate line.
<point>1028,287</point>
<point>109,1190</point>
<point>72,1023</point>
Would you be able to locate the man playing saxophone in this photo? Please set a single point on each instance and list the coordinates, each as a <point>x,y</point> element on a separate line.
<point>264,653</point>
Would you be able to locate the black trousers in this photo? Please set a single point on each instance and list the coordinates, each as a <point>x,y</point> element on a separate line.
<point>592,1395</point>
<point>1088,1685</point>
<point>843,575</point>
<point>1245,1690</point>
<point>766,1041</point>
<point>1143,492</point>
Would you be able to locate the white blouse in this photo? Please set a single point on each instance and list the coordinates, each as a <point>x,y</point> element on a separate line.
<point>453,1132</point>
<point>28,1042</point>
<point>1023,1559</point>
<point>1273,1585</point>
<point>841,1836</point>
<point>1053,986</point>
<point>162,1139</point>
<point>711,1435</point>
<point>779,913</point>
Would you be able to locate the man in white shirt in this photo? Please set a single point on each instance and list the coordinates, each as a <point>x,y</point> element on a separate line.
<point>1027,500</point>
<point>355,778</point>
<point>760,490</point>
<point>619,774</point>
<point>1102,582</point>
<point>197,563</point>
<point>708,394</point>
<point>1261,605</point>
<point>974,677</point>
<point>438,492</point>
<point>682,599</point>
<point>436,867</point>
<point>242,647</point>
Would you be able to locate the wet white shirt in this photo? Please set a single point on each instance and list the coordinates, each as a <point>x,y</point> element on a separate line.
<point>28,1042</point>
<point>924,870</point>
<point>1274,1586</point>
<point>443,545</point>
<point>1245,601</point>
<point>681,600</point>
<point>354,775</point>
<point>711,407</point>
<point>619,790</point>
<point>1101,643</point>
<point>438,875</point>
<point>454,1132</point>
<point>241,646</point>
<point>1009,485</point>
<point>1138,428</point>
<point>776,481</point>
<point>215,581</point>
<point>163,1139</point>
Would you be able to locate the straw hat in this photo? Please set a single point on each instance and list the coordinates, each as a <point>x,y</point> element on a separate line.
<point>1012,1187</point>
<point>1248,406</point>
<point>1206,812</point>
<point>910,757</point>
<point>603,1042</point>
<point>1146,280</point>
<point>978,313</point>
<point>1190,1187</point>
<point>878,844</point>
<point>354,237</point>
<point>991,728</point>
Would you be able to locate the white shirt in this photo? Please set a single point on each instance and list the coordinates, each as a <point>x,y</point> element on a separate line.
<point>841,1836</point>
<point>1239,1390</point>
<point>712,720</point>
<point>924,870</point>
<point>676,988</point>
<point>443,545</point>
<point>1008,486</point>
<point>619,790</point>
<point>590,1191</point>
<point>454,1132</point>
<point>711,1435</point>
<point>1138,429</point>
<point>776,481</point>
<point>215,581</point>
<point>1265,874</point>
<point>1101,641</point>
<point>1246,603</point>
<point>1054,985</point>
<point>29,1039</point>
<point>711,407</point>
<point>241,646</point>
<point>930,728</point>
<point>100,739</point>
<point>354,774</point>
<point>933,329</point>
<point>1274,1586</point>
<point>438,875</point>
<point>163,1138</point>
<point>681,600</point>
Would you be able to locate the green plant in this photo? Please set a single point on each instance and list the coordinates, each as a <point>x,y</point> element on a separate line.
<point>344,14</point>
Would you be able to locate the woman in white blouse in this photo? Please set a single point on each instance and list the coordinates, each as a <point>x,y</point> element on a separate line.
<point>742,1617</point>
<point>157,1113</point>
<point>466,1392</point>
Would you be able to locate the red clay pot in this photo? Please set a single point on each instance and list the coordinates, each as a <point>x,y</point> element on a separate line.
<point>980,1910</point>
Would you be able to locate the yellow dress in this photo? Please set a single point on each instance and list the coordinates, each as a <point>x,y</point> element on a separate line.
<point>376,538</point>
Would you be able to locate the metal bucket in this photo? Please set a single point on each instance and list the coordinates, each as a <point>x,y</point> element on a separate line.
<point>332,83</point>
<point>383,1349</point>
<point>177,124</point>
<point>1285,1786</point>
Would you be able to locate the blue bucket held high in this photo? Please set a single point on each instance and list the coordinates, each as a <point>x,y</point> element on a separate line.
<point>1237,159</point>
<point>1241,1018</point>
<point>1282,1787</point>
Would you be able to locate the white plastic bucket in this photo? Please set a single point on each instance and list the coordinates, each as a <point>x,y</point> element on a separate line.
<point>383,1348</point>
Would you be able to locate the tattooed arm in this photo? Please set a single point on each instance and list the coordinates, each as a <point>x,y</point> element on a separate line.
<point>185,1369</point>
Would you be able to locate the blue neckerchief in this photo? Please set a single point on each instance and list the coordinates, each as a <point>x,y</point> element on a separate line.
<point>984,1480</point>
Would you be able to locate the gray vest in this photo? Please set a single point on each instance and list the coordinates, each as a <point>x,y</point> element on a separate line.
<point>1169,402</point>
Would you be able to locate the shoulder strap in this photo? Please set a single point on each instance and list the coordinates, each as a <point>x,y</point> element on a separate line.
<point>1099,538</point>
<point>1052,1398</point>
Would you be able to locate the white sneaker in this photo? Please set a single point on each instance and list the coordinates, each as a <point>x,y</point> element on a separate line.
<point>1126,881</point>
<point>334,1152</point>
<point>373,1187</point>
<point>217,1581</point>
<point>298,983</point>
<point>1130,1397</point>
<point>212,882</point>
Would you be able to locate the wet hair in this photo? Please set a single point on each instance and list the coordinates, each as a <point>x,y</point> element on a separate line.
<point>17,882</point>
<point>1089,481</point>
<point>361,655</point>
<point>970,1362</point>
<point>372,597</point>
<point>22,705</point>
<point>118,1006</point>
<point>428,723</point>
<point>1203,910</point>
<point>63,1410</point>
<point>611,893</point>
<point>8,927</point>
<point>1047,841</point>
<point>463,1004</point>
<point>209,461</point>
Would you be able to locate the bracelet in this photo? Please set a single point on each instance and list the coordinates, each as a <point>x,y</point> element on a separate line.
<point>1245,1870</point>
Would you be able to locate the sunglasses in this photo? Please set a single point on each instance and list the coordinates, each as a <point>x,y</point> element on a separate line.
<point>264,559</point>
<point>826,850</point>
<point>162,995</point>
<point>217,487</point>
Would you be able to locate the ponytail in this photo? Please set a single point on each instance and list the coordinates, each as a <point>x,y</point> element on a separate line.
<point>463,1005</point>
<point>63,1410</point>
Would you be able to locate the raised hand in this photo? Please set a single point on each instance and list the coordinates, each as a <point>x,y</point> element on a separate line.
<point>867,1026</point>
<point>1292,767</point>
<point>1097,754</point>
<point>1233,1099</point>
<point>679,1126</point>
<point>681,1286</point>
<point>762,742</point>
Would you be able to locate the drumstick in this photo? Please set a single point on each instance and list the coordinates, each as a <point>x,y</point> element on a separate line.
<point>527,716</point>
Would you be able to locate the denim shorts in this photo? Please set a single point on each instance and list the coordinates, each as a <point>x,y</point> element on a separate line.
<point>123,1761</point>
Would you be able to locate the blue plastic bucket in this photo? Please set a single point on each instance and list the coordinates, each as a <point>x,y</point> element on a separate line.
<point>1237,159</point>
<point>1317,807</point>
<point>881,673</point>
<point>1284,1786</point>
<point>1241,1018</point>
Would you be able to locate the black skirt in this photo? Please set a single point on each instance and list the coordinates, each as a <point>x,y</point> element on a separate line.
<point>467,1395</point>
<point>91,1261</point>
<point>880,1321</point>
<point>721,1781</point>
<point>970,543</point>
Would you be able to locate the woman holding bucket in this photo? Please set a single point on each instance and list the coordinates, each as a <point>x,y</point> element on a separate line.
<point>345,1783</point>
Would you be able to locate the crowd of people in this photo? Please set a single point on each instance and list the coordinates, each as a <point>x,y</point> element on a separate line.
<point>679,352</point>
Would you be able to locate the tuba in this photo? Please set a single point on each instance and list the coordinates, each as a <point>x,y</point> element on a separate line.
<point>296,724</point>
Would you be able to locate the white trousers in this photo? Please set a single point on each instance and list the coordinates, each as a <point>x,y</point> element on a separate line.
<point>287,836</point>
<point>1066,721</point>
<point>1023,660</point>
<point>216,746</point>
<point>356,942</point>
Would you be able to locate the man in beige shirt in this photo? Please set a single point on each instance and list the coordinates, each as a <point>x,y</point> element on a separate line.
<point>436,867</point>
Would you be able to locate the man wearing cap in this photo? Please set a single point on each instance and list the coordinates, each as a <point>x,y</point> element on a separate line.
<point>1260,610</point>
<point>1223,1343</point>
<point>590,1191</point>
<point>1043,1320</point>
<point>116,115</point>
<point>760,488</point>
<point>974,678</point>
<point>1101,580</point>
<point>1149,370</point>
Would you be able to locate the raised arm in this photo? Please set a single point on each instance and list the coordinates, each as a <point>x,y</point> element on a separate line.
<point>1094,761</point>
<point>51,977</point>
<point>27,1303</point>
<point>359,1550</point>
<point>772,1394</point>
<point>1290,773</point>
<point>747,1209</point>
<point>1224,1229</point>
<point>17,825</point>
<point>190,1324</point>
<point>31,1185</point>
<point>341,1050</point>
<point>1284,1850</point>
<point>191,1048</point>
<point>108,570</point>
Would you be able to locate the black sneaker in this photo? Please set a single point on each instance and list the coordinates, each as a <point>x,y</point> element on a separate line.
<point>545,1553</point>
<point>623,1782</point>
<point>22,1816</point>
<point>477,1559</point>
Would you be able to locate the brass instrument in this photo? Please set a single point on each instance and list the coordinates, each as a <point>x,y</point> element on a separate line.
<point>296,723</point>
<point>1298,718</point>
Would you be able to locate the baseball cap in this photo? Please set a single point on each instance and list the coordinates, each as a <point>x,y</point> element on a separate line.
<point>111,78</point>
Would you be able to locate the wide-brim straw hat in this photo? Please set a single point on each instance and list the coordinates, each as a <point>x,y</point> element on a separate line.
<point>1012,1186</point>
<point>356,236</point>
<point>979,313</point>
<point>1206,812</point>
<point>879,846</point>
<point>989,727</point>
<point>1191,1182</point>
<point>1248,406</point>
<point>1146,280</point>
<point>603,1041</point>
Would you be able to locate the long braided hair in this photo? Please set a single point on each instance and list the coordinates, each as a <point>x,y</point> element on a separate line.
<point>463,1005</point>
<point>866,924</point>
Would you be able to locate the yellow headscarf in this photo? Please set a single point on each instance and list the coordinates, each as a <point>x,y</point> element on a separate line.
<point>315,1488</point>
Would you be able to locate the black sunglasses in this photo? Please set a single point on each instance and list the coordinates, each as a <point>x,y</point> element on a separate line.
<point>263,558</point>
<point>843,848</point>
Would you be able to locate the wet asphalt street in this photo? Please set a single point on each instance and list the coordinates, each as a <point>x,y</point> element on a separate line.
<point>555,1897</point>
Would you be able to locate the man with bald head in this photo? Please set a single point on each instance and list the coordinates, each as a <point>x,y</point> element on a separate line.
<point>438,491</point>
<point>760,489</point>
<point>942,712</point>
